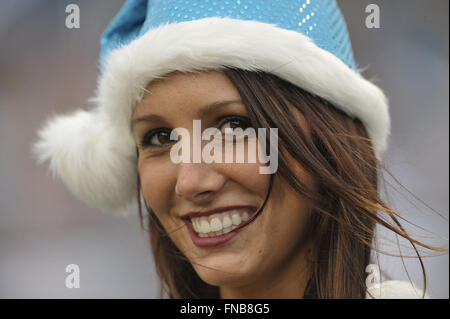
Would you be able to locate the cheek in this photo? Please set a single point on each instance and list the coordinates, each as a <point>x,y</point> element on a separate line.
<point>155,183</point>
<point>291,212</point>
<point>247,176</point>
<point>156,186</point>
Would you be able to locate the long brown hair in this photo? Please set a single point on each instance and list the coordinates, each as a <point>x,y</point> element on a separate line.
<point>338,153</point>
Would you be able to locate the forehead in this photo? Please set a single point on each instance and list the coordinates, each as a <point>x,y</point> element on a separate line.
<point>181,92</point>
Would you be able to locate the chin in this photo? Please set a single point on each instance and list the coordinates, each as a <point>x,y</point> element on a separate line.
<point>223,272</point>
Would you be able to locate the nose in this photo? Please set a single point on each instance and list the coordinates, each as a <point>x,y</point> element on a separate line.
<point>198,182</point>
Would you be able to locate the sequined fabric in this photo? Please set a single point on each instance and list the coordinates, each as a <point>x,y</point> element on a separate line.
<point>321,20</point>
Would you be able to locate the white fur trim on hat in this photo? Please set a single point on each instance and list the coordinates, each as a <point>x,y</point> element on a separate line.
<point>94,153</point>
<point>394,289</point>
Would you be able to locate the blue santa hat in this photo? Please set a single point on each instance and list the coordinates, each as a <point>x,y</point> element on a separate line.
<point>304,42</point>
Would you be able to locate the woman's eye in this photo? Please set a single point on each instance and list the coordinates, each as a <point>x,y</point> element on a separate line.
<point>235,122</point>
<point>157,138</point>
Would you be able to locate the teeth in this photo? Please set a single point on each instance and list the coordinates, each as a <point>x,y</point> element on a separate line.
<point>195,225</point>
<point>227,230</point>
<point>204,226</point>
<point>236,219</point>
<point>219,224</point>
<point>227,222</point>
<point>216,225</point>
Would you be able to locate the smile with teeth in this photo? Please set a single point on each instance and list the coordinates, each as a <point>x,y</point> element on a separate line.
<point>219,223</point>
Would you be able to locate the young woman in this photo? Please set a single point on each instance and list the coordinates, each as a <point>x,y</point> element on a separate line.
<point>222,229</point>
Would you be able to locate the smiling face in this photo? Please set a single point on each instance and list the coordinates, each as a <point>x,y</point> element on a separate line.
<point>193,200</point>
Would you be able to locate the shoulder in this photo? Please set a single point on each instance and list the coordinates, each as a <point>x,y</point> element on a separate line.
<point>394,289</point>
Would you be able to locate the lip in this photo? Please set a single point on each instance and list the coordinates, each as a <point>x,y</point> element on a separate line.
<point>207,242</point>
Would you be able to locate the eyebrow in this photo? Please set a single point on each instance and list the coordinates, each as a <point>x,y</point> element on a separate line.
<point>205,110</point>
